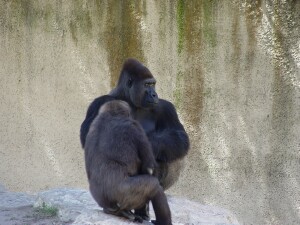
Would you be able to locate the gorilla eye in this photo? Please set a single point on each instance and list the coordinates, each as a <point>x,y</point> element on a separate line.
<point>149,84</point>
<point>129,83</point>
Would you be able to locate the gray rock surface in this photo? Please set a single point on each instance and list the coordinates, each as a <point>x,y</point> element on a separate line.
<point>10,200</point>
<point>76,206</point>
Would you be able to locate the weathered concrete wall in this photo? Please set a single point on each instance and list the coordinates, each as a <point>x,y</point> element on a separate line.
<point>232,69</point>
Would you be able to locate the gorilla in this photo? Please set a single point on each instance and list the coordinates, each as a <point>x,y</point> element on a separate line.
<point>119,159</point>
<point>158,117</point>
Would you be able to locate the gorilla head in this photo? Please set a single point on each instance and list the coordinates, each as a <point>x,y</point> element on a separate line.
<point>136,85</point>
<point>116,108</point>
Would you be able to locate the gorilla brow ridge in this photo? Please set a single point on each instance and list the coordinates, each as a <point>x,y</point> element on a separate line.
<point>136,69</point>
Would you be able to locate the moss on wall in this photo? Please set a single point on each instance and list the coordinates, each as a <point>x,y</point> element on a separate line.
<point>209,31</point>
<point>123,34</point>
<point>180,24</point>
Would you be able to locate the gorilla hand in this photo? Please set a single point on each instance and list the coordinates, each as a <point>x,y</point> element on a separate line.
<point>149,167</point>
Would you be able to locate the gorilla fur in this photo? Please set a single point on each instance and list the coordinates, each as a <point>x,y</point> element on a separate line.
<point>119,164</point>
<point>158,117</point>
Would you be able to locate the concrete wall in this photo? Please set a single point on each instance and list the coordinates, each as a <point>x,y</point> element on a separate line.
<point>231,68</point>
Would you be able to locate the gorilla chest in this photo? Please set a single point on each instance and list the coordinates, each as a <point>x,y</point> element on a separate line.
<point>146,120</point>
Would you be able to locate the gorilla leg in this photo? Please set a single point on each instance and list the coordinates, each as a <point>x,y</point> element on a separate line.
<point>118,195</point>
<point>161,173</point>
<point>161,208</point>
<point>122,213</point>
<point>143,212</point>
<point>136,191</point>
<point>167,174</point>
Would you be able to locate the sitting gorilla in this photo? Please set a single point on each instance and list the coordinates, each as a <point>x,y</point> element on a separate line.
<point>158,117</point>
<point>119,159</point>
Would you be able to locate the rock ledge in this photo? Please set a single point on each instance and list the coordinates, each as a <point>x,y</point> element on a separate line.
<point>76,206</point>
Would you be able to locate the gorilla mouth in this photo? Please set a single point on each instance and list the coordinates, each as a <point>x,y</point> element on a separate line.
<point>149,104</point>
<point>152,102</point>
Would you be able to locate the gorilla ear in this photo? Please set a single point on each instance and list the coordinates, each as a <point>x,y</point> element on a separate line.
<point>129,83</point>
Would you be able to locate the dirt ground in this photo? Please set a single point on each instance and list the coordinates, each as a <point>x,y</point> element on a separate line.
<point>27,215</point>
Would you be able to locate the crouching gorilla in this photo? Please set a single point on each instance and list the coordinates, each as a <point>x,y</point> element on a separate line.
<point>158,117</point>
<point>119,160</point>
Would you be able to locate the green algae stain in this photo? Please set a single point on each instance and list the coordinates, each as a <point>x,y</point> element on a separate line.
<point>188,12</point>
<point>209,31</point>
<point>162,18</point>
<point>21,13</point>
<point>180,24</point>
<point>178,90</point>
<point>196,33</point>
<point>283,106</point>
<point>253,15</point>
<point>180,19</point>
<point>30,15</point>
<point>80,22</point>
<point>122,35</point>
<point>236,45</point>
<point>27,13</point>
<point>73,31</point>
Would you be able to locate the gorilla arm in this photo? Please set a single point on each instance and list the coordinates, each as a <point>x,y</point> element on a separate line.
<point>92,112</point>
<point>144,150</point>
<point>169,139</point>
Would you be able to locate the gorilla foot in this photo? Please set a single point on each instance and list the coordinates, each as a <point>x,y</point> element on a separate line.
<point>143,212</point>
<point>158,223</point>
<point>138,219</point>
<point>142,217</point>
<point>121,213</point>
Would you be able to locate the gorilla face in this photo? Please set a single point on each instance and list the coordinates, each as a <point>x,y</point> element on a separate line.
<point>142,93</point>
<point>136,85</point>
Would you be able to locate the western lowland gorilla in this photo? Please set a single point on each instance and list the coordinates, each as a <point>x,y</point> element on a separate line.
<point>158,117</point>
<point>119,164</point>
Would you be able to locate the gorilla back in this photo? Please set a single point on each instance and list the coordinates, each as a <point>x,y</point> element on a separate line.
<point>118,160</point>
